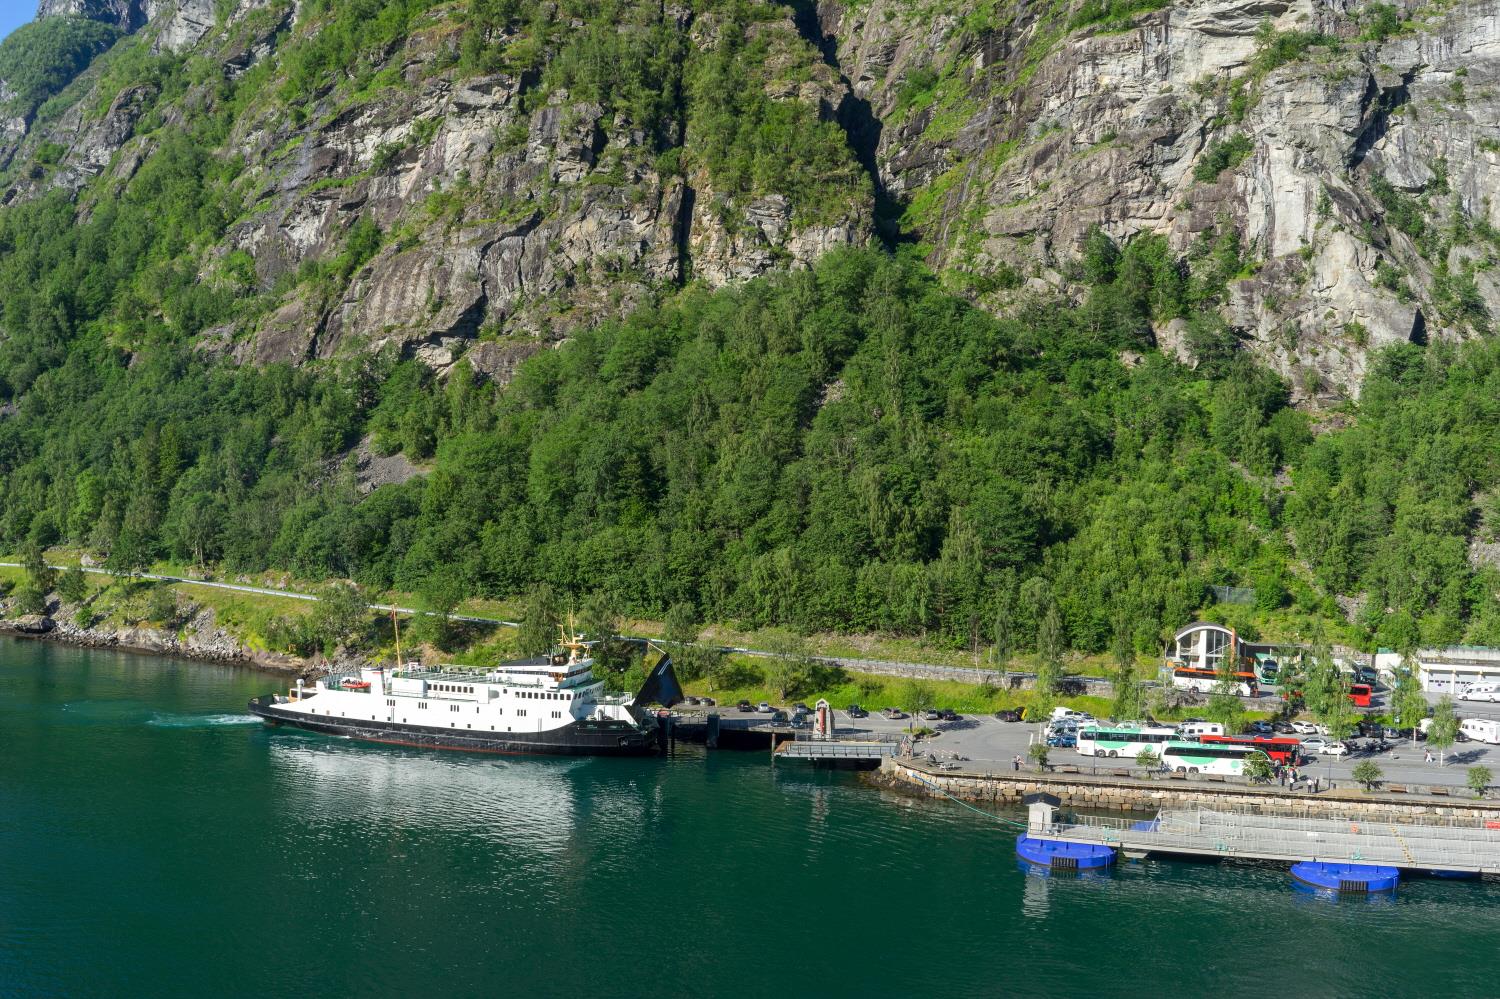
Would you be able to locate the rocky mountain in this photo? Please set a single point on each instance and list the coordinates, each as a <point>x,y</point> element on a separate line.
<point>474,180</point>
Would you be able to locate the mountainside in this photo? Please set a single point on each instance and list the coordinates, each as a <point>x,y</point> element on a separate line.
<point>896,316</point>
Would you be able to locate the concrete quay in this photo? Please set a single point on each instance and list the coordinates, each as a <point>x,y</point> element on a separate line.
<point>1116,792</point>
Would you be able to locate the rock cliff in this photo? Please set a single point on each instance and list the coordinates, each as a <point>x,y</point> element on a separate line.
<point>466,188</point>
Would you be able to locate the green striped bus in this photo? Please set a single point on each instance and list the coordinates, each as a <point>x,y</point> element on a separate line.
<point>1207,758</point>
<point>1122,739</point>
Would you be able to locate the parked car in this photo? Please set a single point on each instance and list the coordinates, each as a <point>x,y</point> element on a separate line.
<point>764,707</point>
<point>1333,749</point>
<point>746,706</point>
<point>1066,714</point>
<point>855,711</point>
<point>931,714</point>
<point>690,699</point>
<point>1262,728</point>
<point>1313,744</point>
<point>1008,715</point>
<point>948,714</point>
<point>1062,740</point>
<point>708,701</point>
<point>801,707</point>
<point>778,717</point>
<point>894,714</point>
<point>801,717</point>
<point>1304,728</point>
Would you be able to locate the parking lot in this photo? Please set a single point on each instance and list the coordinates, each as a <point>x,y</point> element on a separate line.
<point>984,739</point>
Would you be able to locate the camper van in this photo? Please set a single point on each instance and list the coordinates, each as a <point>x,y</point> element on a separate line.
<point>1481,692</point>
<point>1481,730</point>
<point>1192,730</point>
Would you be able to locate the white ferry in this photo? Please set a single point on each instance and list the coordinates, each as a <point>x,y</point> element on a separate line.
<point>551,704</point>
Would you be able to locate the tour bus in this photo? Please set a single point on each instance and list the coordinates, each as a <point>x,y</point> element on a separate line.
<point>1206,758</point>
<point>1115,740</point>
<point>1203,680</point>
<point>1360,693</point>
<point>1267,672</point>
<point>1281,749</point>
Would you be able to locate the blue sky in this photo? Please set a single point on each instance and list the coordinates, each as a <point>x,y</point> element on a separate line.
<point>14,13</point>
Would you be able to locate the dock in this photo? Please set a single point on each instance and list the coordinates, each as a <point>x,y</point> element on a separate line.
<point>1456,846</point>
<point>849,754</point>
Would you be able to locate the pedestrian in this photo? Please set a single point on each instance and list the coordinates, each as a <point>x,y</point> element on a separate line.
<point>1015,764</point>
<point>1427,755</point>
<point>1281,775</point>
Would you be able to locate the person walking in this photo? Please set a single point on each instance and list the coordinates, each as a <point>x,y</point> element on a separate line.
<point>1015,764</point>
<point>1427,755</point>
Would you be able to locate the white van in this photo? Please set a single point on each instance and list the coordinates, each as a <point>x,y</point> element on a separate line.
<point>1192,730</point>
<point>1481,692</point>
<point>1068,714</point>
<point>1481,730</point>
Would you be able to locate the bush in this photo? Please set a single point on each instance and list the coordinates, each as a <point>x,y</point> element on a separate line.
<point>29,600</point>
<point>1479,780</point>
<point>1222,154</point>
<point>1368,773</point>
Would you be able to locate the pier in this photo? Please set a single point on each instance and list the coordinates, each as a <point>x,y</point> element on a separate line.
<point>1454,846</point>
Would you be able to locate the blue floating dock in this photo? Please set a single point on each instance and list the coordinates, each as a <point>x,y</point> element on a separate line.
<point>1346,877</point>
<point>1056,855</point>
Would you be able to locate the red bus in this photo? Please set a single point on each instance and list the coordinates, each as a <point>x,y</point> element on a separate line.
<point>1281,749</point>
<point>1360,693</point>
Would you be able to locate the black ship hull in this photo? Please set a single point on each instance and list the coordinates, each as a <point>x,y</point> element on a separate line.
<point>585,738</point>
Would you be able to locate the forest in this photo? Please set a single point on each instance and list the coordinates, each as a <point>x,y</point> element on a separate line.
<point>851,448</point>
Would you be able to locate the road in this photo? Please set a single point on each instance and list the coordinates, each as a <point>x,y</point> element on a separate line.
<point>983,739</point>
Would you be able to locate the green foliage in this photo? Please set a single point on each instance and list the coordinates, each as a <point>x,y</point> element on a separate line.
<point>1221,155</point>
<point>1479,779</point>
<point>341,616</point>
<point>73,587</point>
<point>917,696</point>
<point>1038,752</point>
<point>541,619</point>
<point>1148,759</point>
<point>1257,768</point>
<point>1368,773</point>
<point>1443,732</point>
<point>28,599</point>
<point>1113,15</point>
<point>789,666</point>
<point>1277,48</point>
<point>38,59</point>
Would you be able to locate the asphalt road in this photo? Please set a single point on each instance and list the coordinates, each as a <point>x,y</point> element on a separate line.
<point>986,740</point>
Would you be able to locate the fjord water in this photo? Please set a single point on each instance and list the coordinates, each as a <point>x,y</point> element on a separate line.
<point>156,841</point>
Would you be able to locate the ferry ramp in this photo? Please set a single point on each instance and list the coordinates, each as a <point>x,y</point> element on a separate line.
<point>1435,845</point>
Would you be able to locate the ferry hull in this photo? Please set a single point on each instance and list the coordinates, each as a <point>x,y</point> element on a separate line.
<point>577,739</point>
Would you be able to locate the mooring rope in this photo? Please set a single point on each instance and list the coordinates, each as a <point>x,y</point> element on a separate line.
<point>978,811</point>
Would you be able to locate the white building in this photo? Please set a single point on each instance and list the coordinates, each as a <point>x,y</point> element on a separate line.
<point>1446,671</point>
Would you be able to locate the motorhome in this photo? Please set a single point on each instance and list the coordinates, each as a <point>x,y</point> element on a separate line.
<point>1481,730</point>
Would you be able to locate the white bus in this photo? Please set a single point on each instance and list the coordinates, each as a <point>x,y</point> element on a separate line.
<point>1114,740</point>
<point>1206,757</point>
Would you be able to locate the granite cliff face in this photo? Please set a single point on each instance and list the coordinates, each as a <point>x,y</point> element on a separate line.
<point>1352,147</point>
<point>477,209</point>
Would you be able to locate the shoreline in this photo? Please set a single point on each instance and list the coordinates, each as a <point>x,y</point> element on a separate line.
<point>220,649</point>
<point>1131,794</point>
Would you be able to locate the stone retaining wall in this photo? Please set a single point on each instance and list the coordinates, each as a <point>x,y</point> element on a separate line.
<point>1126,794</point>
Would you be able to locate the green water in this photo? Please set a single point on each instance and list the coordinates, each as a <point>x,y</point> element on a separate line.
<point>154,842</point>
